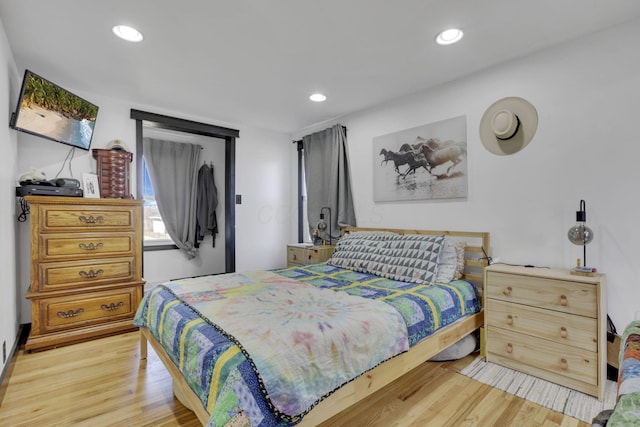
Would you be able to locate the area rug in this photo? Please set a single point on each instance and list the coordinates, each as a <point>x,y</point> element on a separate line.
<point>544,393</point>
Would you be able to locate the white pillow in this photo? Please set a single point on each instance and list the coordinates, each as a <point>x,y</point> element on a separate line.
<point>456,351</point>
<point>451,262</point>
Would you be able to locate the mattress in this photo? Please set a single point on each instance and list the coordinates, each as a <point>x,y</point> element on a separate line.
<point>224,370</point>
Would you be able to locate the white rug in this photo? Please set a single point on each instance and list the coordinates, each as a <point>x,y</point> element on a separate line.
<point>544,393</point>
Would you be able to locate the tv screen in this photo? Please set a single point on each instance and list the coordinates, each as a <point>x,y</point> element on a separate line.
<point>47,110</point>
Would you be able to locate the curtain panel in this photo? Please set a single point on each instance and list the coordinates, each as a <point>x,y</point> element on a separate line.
<point>173,170</point>
<point>327,178</point>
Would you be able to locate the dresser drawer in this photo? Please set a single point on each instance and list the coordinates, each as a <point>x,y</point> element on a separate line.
<point>86,218</point>
<point>54,276</point>
<point>86,309</point>
<point>559,360</point>
<point>542,292</point>
<point>53,247</point>
<point>576,331</point>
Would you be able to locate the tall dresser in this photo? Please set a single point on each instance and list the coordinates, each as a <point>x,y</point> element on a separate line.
<point>547,323</point>
<point>86,268</point>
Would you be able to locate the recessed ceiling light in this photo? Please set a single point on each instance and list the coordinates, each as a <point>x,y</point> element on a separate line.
<point>450,36</point>
<point>317,97</point>
<point>127,33</point>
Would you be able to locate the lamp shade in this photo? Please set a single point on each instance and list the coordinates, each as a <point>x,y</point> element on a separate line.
<point>322,225</point>
<point>580,234</point>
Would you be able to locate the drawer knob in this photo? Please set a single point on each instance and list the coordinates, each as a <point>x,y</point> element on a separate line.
<point>70,313</point>
<point>91,274</point>
<point>507,290</point>
<point>564,365</point>
<point>112,306</point>
<point>90,246</point>
<point>91,219</point>
<point>295,258</point>
<point>563,300</point>
<point>563,332</point>
<point>509,320</point>
<point>509,348</point>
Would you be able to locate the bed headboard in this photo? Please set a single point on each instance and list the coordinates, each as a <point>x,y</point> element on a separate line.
<point>476,248</point>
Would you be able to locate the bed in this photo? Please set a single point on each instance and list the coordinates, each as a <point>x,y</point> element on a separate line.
<point>374,321</point>
<point>627,409</point>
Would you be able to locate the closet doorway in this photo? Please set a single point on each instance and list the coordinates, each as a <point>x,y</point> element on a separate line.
<point>218,150</point>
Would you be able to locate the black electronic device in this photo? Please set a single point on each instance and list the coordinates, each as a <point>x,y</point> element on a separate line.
<point>66,182</point>
<point>42,182</point>
<point>47,190</point>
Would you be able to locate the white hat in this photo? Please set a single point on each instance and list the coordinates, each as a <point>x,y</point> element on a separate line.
<point>117,145</point>
<point>508,125</point>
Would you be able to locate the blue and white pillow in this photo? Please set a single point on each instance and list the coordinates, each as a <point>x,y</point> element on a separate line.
<point>405,257</point>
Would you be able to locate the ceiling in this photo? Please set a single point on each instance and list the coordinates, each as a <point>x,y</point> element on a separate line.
<point>255,62</point>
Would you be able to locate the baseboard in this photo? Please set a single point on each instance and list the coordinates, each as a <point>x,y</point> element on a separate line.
<point>21,339</point>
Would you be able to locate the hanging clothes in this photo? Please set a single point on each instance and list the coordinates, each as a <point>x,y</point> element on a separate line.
<point>207,200</point>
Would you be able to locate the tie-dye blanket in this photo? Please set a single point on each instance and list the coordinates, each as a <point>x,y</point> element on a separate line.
<point>627,410</point>
<point>222,368</point>
<point>304,341</point>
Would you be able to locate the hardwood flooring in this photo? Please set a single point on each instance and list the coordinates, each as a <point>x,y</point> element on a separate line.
<point>103,383</point>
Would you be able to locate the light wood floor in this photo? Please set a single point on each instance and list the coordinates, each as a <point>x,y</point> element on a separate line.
<point>103,383</point>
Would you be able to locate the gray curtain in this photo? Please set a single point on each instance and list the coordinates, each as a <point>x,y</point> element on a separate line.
<point>327,177</point>
<point>173,170</point>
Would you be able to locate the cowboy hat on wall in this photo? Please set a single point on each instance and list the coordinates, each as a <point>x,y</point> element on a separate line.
<point>508,125</point>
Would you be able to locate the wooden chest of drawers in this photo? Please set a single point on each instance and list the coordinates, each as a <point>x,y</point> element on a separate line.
<point>299,255</point>
<point>86,268</point>
<point>547,323</point>
<point>112,167</point>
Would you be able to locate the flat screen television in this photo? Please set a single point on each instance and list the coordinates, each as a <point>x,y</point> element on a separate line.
<point>47,110</point>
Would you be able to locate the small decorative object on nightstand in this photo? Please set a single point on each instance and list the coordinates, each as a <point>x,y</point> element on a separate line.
<point>303,254</point>
<point>548,323</point>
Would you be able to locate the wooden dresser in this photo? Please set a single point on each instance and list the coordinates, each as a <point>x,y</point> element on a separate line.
<point>303,255</point>
<point>86,268</point>
<point>548,323</point>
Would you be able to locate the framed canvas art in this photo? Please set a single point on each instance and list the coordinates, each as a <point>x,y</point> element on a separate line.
<point>422,163</point>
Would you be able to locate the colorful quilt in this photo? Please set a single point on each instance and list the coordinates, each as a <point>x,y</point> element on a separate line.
<point>238,374</point>
<point>627,410</point>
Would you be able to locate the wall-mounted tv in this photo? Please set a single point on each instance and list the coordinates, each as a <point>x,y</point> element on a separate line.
<point>47,110</point>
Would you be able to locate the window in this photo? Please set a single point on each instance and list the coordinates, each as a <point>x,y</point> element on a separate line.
<point>229,136</point>
<point>154,231</point>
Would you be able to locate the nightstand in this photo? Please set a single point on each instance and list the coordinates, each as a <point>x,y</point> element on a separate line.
<point>303,255</point>
<point>547,323</point>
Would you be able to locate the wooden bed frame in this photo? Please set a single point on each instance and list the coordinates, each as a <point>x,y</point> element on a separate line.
<point>476,250</point>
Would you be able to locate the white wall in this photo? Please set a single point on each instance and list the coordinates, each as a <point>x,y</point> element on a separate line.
<point>9,296</point>
<point>587,94</point>
<point>263,218</point>
<point>262,173</point>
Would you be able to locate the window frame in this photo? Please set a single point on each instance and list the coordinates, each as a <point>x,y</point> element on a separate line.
<point>147,119</point>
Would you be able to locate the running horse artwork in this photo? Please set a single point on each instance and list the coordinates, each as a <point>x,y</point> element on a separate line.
<point>438,153</point>
<point>425,153</point>
<point>429,162</point>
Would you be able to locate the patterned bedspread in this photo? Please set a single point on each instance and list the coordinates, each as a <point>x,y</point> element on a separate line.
<point>220,362</point>
<point>627,410</point>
